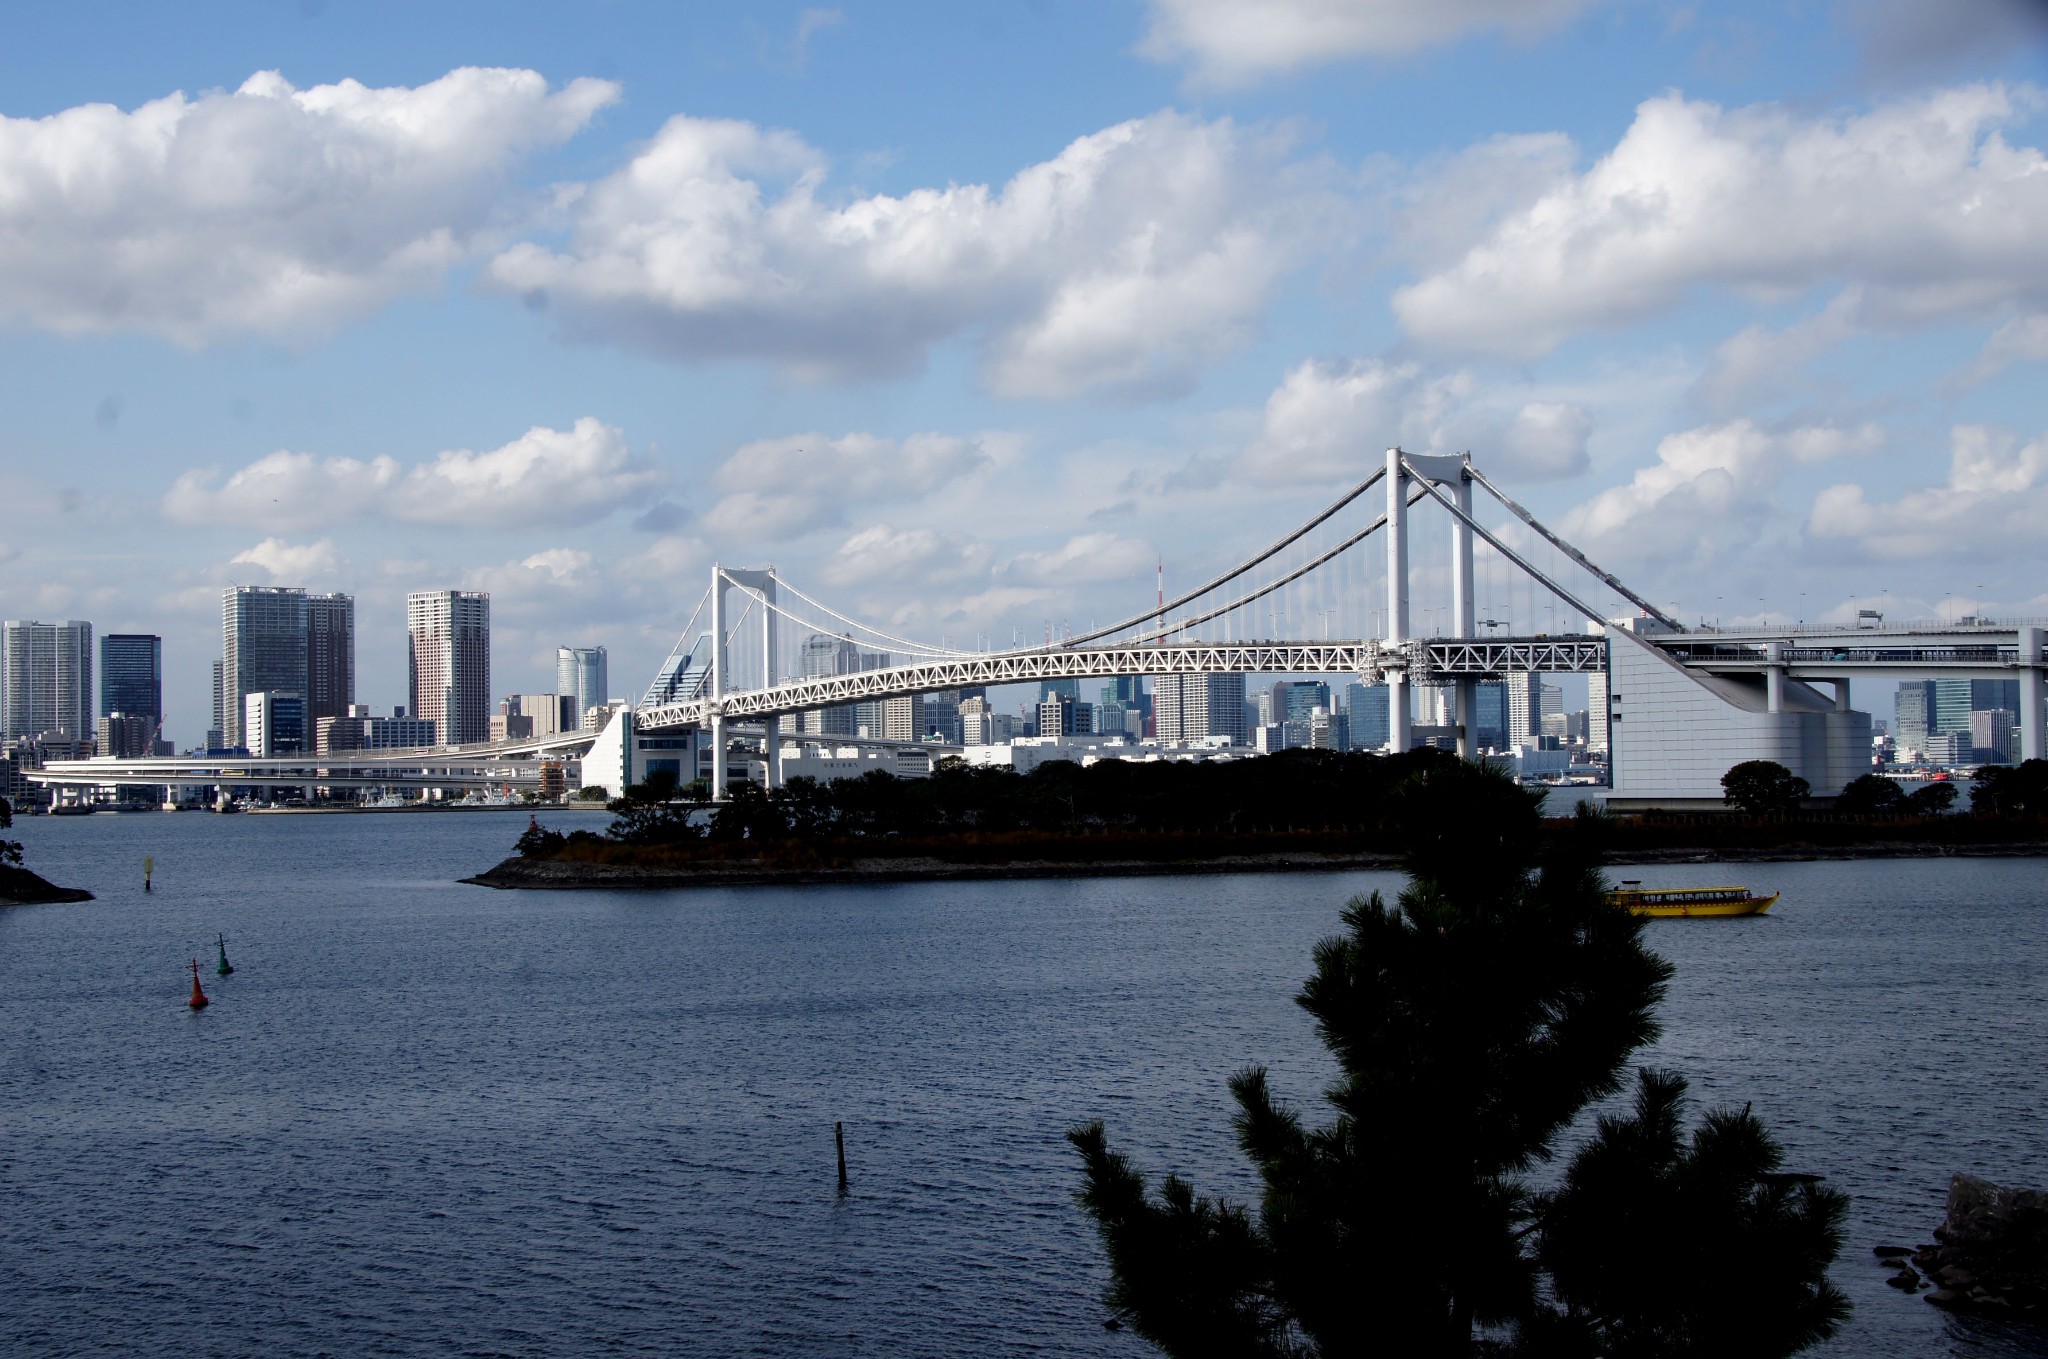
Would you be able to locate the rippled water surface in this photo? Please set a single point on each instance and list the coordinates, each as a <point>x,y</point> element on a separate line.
<point>423,1118</point>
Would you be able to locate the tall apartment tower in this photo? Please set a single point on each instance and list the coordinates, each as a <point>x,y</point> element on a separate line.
<point>263,648</point>
<point>132,677</point>
<point>46,678</point>
<point>580,675</point>
<point>450,642</point>
<point>330,656</point>
<point>1525,708</point>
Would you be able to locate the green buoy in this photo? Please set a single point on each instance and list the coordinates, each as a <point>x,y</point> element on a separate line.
<point>223,969</point>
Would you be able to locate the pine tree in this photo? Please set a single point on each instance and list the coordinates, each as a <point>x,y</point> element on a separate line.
<point>1472,1022</point>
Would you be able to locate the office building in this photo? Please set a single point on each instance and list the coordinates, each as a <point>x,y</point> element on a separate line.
<point>360,731</point>
<point>1913,715</point>
<point>1525,708</point>
<point>942,715</point>
<point>1994,736</point>
<point>274,723</point>
<point>1489,717</point>
<point>46,679</point>
<point>1956,699</point>
<point>1069,689</point>
<point>1365,706</point>
<point>581,674</point>
<point>1060,715</point>
<point>263,648</point>
<point>1195,707</point>
<point>126,738</point>
<point>132,677</point>
<point>1294,700</point>
<point>1328,730</point>
<point>1596,713</point>
<point>449,640</point>
<point>821,657</point>
<point>902,718</point>
<point>330,655</point>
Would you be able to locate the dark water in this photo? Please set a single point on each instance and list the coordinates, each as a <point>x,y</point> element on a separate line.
<point>427,1119</point>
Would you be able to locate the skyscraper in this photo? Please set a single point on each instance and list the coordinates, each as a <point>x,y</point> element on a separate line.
<point>263,647</point>
<point>132,677</point>
<point>1367,706</point>
<point>1913,715</point>
<point>1525,708</point>
<point>1956,699</point>
<point>822,656</point>
<point>330,656</point>
<point>449,639</point>
<point>580,675</point>
<point>1193,707</point>
<point>46,678</point>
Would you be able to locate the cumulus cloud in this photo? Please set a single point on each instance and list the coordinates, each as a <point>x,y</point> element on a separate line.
<point>281,560</point>
<point>1923,202</point>
<point>1083,560</point>
<point>1704,478</point>
<point>786,487</point>
<point>1335,421</point>
<point>545,476</point>
<point>1231,43</point>
<point>908,557</point>
<point>1995,497</point>
<point>1125,263</point>
<point>269,210</point>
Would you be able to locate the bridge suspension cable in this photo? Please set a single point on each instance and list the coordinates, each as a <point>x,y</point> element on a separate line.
<point>1561,545</point>
<point>903,643</point>
<point>1161,610</point>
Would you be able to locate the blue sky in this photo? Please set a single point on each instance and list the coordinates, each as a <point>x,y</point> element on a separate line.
<point>965,314</point>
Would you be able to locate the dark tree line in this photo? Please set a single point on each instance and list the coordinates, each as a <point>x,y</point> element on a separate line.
<point>1473,1020</point>
<point>10,850</point>
<point>1292,790</point>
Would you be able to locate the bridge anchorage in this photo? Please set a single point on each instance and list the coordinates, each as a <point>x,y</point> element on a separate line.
<point>761,659</point>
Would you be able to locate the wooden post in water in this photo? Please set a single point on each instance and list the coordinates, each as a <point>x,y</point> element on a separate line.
<point>839,1138</point>
<point>148,867</point>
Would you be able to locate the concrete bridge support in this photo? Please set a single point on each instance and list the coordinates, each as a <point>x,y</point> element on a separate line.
<point>1398,716</point>
<point>2031,744</point>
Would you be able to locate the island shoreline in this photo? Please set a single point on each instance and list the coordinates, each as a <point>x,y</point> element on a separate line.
<point>517,874</point>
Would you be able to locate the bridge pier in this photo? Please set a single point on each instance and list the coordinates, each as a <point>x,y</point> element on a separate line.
<point>1465,693</point>
<point>1399,719</point>
<point>2031,744</point>
<point>1774,678</point>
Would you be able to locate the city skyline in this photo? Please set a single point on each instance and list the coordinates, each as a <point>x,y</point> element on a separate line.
<point>1265,267</point>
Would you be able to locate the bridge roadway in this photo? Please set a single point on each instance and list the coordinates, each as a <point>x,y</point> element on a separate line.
<point>1423,660</point>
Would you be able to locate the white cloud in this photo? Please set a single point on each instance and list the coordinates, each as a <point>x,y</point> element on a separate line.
<point>288,561</point>
<point>538,582</point>
<point>1703,479</point>
<point>909,558</point>
<point>1904,37</point>
<point>1126,262</point>
<point>2024,339</point>
<point>1760,364</point>
<point>782,488</point>
<point>545,476</point>
<point>7,553</point>
<point>1335,421</point>
<point>1083,560</point>
<point>1922,201</point>
<point>1232,43</point>
<point>269,210</point>
<point>1995,498</point>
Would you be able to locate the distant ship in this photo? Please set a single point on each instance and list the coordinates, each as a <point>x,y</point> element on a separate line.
<point>1689,901</point>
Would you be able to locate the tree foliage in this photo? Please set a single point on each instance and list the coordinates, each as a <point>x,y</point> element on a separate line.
<point>10,850</point>
<point>1472,1022</point>
<point>1872,795</point>
<point>2010,790</point>
<point>1763,788</point>
<point>1932,800</point>
<point>650,813</point>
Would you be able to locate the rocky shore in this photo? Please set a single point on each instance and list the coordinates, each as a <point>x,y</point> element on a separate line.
<point>19,887</point>
<point>1989,1255</point>
<point>556,874</point>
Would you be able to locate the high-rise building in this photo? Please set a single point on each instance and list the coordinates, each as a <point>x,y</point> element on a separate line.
<point>46,679</point>
<point>942,715</point>
<point>1913,715</point>
<point>581,674</point>
<point>1294,700</point>
<point>263,647</point>
<point>1195,707</point>
<point>902,718</point>
<point>1994,737</point>
<point>330,655</point>
<point>449,639</point>
<point>1059,715</point>
<point>274,723</point>
<point>132,677</point>
<point>216,736</point>
<point>1525,708</point>
<point>126,738</point>
<point>821,657</point>
<point>1597,708</point>
<point>1366,706</point>
<point>1328,730</point>
<point>1489,715</point>
<point>1956,699</point>
<point>1069,689</point>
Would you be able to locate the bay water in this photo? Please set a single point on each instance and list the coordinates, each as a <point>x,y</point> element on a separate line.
<point>423,1118</point>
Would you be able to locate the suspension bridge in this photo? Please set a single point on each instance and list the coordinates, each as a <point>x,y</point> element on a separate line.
<point>1680,705</point>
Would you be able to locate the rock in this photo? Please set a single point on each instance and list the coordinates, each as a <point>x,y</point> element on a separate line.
<point>1889,1252</point>
<point>19,887</point>
<point>1955,1276</point>
<point>1946,1297</point>
<point>1994,1248</point>
<point>1906,1281</point>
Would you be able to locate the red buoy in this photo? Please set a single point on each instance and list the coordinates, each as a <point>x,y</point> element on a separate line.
<point>199,1000</point>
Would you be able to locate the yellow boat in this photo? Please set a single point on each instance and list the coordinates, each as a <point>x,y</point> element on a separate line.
<point>1687,902</point>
